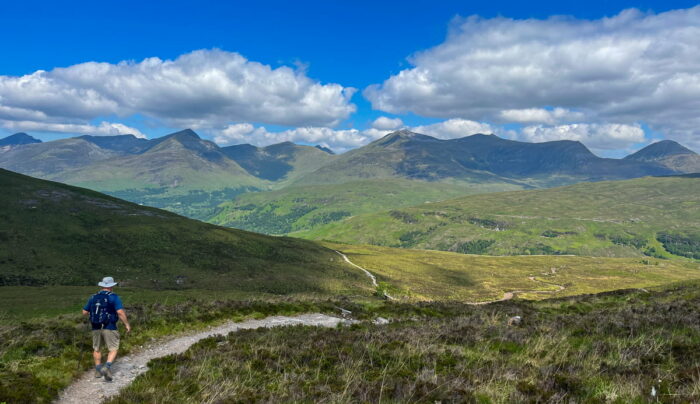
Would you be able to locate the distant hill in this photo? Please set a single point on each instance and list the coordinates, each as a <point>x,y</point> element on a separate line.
<point>477,158</point>
<point>188,175</point>
<point>282,161</point>
<point>18,139</point>
<point>55,234</point>
<point>52,158</point>
<point>121,143</point>
<point>669,154</point>
<point>646,216</point>
<point>302,208</point>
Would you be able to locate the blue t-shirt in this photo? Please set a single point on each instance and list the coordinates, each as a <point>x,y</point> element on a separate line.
<point>115,303</point>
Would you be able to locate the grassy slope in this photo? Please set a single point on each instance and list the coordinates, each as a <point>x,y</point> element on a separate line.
<point>303,208</point>
<point>605,348</point>
<point>169,176</point>
<point>598,219</point>
<point>58,234</point>
<point>437,275</point>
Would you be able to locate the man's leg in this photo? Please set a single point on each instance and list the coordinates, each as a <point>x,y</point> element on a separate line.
<point>96,354</point>
<point>112,356</point>
<point>112,341</point>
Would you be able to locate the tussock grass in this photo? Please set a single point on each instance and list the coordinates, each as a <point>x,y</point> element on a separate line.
<point>612,347</point>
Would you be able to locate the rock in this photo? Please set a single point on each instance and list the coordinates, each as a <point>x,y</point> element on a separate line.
<point>381,321</point>
<point>515,321</point>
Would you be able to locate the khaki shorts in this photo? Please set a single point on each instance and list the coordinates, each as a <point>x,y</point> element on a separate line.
<point>110,338</point>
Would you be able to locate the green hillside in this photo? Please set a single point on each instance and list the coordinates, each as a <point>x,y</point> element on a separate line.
<point>659,217</point>
<point>54,234</point>
<point>301,208</point>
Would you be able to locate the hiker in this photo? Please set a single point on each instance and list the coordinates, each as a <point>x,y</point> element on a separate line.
<point>105,309</point>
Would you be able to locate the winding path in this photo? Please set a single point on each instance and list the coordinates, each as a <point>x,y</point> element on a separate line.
<point>90,389</point>
<point>368,273</point>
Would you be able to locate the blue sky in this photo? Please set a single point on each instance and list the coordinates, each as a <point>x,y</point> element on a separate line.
<point>353,44</point>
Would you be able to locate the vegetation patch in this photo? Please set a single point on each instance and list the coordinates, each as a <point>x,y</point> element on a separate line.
<point>678,244</point>
<point>488,223</point>
<point>554,233</point>
<point>613,347</point>
<point>474,246</point>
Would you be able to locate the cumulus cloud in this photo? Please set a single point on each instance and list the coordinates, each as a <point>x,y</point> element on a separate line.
<point>454,128</point>
<point>385,123</point>
<point>540,115</point>
<point>103,129</point>
<point>631,68</point>
<point>338,140</point>
<point>595,136</point>
<point>205,88</point>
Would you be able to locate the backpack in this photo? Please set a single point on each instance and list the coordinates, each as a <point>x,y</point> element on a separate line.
<point>99,309</point>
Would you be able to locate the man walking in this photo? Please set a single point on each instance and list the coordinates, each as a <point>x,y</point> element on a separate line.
<point>105,309</point>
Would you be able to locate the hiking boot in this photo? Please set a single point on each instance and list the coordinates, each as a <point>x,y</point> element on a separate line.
<point>98,373</point>
<point>107,373</point>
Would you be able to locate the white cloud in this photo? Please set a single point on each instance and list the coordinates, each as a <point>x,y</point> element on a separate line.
<point>385,123</point>
<point>337,140</point>
<point>454,128</point>
<point>630,68</point>
<point>539,115</point>
<point>103,129</point>
<point>205,88</point>
<point>595,136</point>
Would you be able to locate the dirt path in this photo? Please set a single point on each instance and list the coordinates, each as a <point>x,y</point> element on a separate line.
<point>368,273</point>
<point>90,389</point>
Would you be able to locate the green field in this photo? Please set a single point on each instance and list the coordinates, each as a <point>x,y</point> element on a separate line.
<point>606,219</point>
<point>416,275</point>
<point>303,208</point>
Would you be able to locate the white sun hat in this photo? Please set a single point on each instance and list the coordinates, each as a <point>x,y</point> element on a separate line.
<point>107,282</point>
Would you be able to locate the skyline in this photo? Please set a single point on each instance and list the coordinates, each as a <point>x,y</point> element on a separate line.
<point>522,79</point>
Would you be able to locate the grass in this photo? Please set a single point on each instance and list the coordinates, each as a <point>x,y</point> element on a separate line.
<point>613,347</point>
<point>304,208</point>
<point>55,234</point>
<point>40,356</point>
<point>605,219</point>
<point>416,275</point>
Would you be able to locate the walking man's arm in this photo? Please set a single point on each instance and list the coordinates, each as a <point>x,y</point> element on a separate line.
<point>122,316</point>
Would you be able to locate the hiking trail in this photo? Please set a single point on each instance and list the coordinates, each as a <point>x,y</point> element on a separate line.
<point>88,388</point>
<point>368,273</point>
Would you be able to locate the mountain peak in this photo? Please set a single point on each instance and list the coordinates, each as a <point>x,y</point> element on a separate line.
<point>403,134</point>
<point>660,150</point>
<point>18,139</point>
<point>184,134</point>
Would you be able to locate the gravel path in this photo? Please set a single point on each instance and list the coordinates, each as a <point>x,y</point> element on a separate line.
<point>90,389</point>
<point>368,273</point>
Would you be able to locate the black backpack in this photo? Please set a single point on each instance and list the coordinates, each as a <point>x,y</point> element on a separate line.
<point>99,309</point>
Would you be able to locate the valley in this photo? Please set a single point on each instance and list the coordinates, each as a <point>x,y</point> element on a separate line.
<point>630,218</point>
<point>404,254</point>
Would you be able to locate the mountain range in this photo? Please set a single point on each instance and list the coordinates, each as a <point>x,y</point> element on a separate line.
<point>189,175</point>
